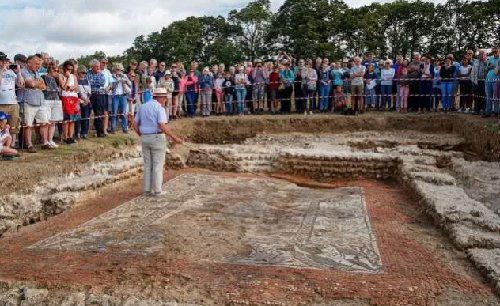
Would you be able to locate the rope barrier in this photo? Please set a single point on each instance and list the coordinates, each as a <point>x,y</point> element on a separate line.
<point>266,100</point>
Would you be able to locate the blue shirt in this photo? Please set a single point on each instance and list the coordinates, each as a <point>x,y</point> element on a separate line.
<point>492,61</point>
<point>337,76</point>
<point>149,116</point>
<point>32,96</point>
<point>284,74</point>
<point>96,81</point>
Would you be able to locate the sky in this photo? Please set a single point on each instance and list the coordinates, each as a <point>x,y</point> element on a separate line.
<point>70,28</point>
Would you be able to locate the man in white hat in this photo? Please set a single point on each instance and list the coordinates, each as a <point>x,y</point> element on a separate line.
<point>150,123</point>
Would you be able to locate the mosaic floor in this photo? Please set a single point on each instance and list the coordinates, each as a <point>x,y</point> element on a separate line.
<point>278,224</point>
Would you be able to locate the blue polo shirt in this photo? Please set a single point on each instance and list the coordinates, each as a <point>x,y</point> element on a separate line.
<point>149,116</point>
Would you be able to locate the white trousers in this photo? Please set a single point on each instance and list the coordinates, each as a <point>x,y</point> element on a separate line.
<point>153,152</point>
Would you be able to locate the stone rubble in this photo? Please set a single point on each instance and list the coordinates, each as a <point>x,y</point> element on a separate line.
<point>28,296</point>
<point>56,195</point>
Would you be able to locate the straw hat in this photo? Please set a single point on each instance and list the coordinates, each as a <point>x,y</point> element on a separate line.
<point>160,92</point>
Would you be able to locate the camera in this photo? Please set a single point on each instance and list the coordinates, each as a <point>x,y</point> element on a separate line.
<point>13,67</point>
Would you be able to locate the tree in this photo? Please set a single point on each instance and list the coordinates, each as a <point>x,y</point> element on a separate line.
<point>207,38</point>
<point>324,28</point>
<point>309,32</point>
<point>251,25</point>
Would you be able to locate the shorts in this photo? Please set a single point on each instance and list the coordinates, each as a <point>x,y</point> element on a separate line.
<point>54,110</point>
<point>357,90</point>
<point>32,113</point>
<point>14,121</point>
<point>72,118</point>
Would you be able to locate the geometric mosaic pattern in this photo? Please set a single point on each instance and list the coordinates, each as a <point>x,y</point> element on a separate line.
<point>281,224</point>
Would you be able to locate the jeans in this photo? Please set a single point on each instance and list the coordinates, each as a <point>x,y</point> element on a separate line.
<point>386,94</point>
<point>82,126</point>
<point>119,103</point>
<point>490,98</point>
<point>229,103</point>
<point>370,98</point>
<point>447,94</point>
<point>191,103</point>
<point>241,94</point>
<point>324,92</point>
<point>258,95</point>
<point>206,102</point>
<point>153,151</point>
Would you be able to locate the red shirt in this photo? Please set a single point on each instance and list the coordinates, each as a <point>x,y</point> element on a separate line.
<point>274,81</point>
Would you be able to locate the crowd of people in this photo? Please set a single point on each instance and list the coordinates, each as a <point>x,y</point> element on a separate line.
<point>41,94</point>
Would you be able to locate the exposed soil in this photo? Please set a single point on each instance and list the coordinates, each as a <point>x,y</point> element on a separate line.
<point>481,135</point>
<point>420,266</point>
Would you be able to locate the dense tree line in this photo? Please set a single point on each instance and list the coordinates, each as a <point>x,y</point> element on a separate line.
<point>325,28</point>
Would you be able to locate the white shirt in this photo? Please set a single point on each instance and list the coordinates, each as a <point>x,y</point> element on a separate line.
<point>8,87</point>
<point>387,75</point>
<point>108,77</point>
<point>357,70</point>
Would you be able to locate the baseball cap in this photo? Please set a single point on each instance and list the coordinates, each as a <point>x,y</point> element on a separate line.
<point>4,116</point>
<point>3,56</point>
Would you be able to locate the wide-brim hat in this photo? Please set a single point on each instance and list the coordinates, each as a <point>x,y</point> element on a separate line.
<point>160,92</point>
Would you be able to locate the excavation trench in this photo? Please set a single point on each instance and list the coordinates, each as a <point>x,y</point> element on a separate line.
<point>279,210</point>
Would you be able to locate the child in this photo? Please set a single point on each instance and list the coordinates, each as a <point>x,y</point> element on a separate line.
<point>170,87</point>
<point>371,83</point>
<point>404,90</point>
<point>228,87</point>
<point>5,138</point>
<point>219,92</point>
<point>340,102</point>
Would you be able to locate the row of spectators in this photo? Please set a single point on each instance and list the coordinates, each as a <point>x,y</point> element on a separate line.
<point>66,97</point>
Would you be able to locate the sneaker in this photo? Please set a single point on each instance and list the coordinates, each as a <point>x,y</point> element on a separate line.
<point>305,113</point>
<point>310,112</point>
<point>31,149</point>
<point>53,144</point>
<point>47,146</point>
<point>159,194</point>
